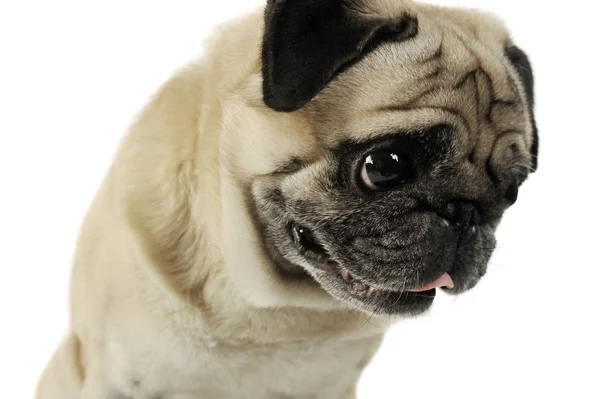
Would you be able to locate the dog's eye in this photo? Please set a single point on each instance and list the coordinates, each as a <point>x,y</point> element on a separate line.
<point>385,170</point>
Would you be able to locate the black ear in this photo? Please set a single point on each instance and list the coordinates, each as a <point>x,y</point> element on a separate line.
<point>521,63</point>
<point>307,43</point>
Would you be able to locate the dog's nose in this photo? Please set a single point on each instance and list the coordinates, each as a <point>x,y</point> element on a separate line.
<point>462,213</point>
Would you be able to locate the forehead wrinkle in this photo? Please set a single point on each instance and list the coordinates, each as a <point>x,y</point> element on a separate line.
<point>485,88</point>
<point>384,123</point>
<point>449,73</point>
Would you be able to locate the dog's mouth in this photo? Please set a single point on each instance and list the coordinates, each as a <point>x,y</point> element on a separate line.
<point>342,283</point>
<point>360,288</point>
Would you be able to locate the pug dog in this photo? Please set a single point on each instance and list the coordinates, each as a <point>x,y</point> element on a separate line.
<point>320,173</point>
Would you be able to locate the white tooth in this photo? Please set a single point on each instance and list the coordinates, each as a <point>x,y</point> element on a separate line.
<point>345,275</point>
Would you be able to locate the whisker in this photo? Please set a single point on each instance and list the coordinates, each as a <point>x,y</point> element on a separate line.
<point>508,269</point>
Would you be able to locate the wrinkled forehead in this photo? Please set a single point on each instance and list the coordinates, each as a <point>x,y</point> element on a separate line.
<point>454,62</point>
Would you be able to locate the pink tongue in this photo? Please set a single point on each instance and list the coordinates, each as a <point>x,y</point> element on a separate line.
<point>444,281</point>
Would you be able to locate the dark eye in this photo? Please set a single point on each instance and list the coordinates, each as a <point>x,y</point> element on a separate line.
<point>385,170</point>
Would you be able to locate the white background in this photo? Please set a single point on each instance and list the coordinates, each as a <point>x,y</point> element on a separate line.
<point>72,76</point>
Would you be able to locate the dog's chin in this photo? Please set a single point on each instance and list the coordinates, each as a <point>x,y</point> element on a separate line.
<point>339,283</point>
<point>372,298</point>
<point>389,297</point>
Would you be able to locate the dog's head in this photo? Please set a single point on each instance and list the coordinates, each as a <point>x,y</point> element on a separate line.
<point>394,138</point>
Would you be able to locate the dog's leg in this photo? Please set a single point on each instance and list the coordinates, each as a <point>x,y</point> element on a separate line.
<point>62,377</point>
